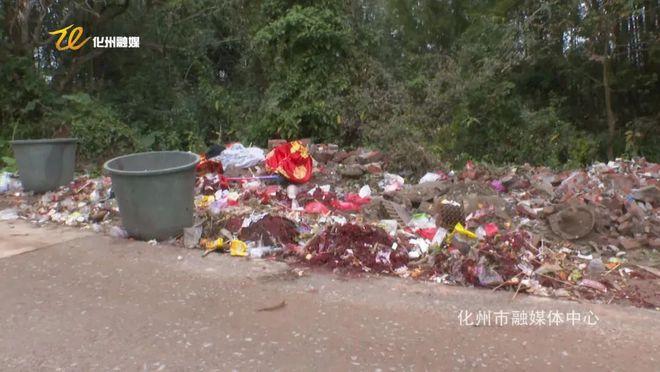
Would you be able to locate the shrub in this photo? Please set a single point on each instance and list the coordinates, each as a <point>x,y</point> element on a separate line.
<point>102,134</point>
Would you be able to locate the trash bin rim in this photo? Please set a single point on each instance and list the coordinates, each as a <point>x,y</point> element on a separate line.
<point>43,141</point>
<point>112,171</point>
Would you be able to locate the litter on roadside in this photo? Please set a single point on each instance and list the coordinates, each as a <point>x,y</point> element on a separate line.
<point>583,233</point>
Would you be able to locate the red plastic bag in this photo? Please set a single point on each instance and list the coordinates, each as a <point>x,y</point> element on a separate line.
<point>491,229</point>
<point>357,199</point>
<point>208,166</point>
<point>316,207</point>
<point>427,233</point>
<point>291,160</point>
<point>346,206</point>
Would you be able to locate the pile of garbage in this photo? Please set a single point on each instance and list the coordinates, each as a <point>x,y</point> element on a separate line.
<point>85,202</point>
<point>591,233</point>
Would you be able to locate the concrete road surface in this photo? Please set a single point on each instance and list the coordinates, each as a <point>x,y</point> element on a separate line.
<point>74,301</point>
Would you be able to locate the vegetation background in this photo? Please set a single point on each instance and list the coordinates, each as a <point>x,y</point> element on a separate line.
<point>560,83</point>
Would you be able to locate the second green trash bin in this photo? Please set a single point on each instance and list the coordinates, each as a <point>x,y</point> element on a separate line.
<point>155,192</point>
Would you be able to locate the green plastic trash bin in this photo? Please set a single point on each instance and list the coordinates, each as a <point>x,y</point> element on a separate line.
<point>155,192</point>
<point>45,164</point>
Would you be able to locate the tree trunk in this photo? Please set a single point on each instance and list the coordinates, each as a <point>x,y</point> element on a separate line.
<point>611,124</point>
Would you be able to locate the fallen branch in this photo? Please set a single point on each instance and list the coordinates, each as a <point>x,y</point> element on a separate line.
<point>275,307</point>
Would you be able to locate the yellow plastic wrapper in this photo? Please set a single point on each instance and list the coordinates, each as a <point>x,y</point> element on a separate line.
<point>459,229</point>
<point>463,231</point>
<point>204,201</point>
<point>214,244</point>
<point>238,248</point>
<point>211,245</point>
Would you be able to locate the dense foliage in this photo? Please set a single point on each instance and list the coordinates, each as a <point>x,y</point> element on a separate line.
<point>560,82</point>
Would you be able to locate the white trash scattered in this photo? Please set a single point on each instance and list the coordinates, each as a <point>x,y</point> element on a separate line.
<point>8,214</point>
<point>240,156</point>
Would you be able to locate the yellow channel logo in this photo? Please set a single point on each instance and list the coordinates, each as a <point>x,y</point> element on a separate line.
<point>69,38</point>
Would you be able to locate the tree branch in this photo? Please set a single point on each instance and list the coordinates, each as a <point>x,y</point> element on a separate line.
<point>76,65</point>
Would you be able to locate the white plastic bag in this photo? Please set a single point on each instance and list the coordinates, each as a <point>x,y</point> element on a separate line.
<point>430,177</point>
<point>241,157</point>
<point>8,214</point>
<point>391,182</point>
<point>4,182</point>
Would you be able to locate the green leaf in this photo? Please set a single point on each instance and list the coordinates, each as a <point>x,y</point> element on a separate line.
<point>8,161</point>
<point>9,164</point>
